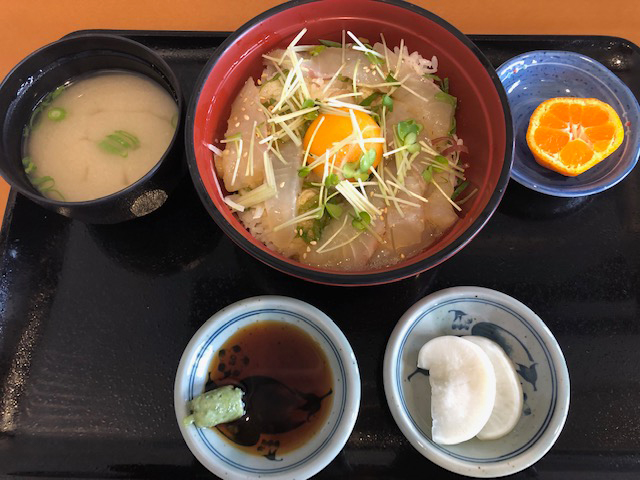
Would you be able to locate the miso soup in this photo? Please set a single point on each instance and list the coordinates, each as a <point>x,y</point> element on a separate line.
<point>97,135</point>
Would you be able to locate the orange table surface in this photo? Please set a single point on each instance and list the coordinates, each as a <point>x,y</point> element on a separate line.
<point>28,25</point>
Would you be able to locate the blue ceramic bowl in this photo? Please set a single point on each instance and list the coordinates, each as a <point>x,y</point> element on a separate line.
<point>529,344</point>
<point>224,458</point>
<point>534,77</point>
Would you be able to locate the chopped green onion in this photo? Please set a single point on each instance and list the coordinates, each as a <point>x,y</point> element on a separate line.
<point>361,221</point>
<point>28,165</point>
<point>459,189</point>
<point>304,171</point>
<point>387,101</point>
<point>317,50</point>
<point>235,136</point>
<point>130,136</point>
<point>361,176</point>
<point>370,99</point>
<point>330,43</point>
<point>268,103</point>
<point>119,143</point>
<point>113,148</point>
<point>56,114</point>
<point>445,97</point>
<point>332,180</point>
<point>124,141</point>
<point>390,78</point>
<point>427,174</point>
<point>342,78</point>
<point>56,93</point>
<point>43,183</point>
<point>53,190</point>
<point>335,211</point>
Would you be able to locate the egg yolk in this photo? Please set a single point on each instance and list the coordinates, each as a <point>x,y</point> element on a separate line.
<point>334,129</point>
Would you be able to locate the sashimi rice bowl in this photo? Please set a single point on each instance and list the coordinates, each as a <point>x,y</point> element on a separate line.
<point>343,155</point>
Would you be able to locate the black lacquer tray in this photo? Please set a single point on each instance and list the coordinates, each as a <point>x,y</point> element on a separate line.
<point>93,319</point>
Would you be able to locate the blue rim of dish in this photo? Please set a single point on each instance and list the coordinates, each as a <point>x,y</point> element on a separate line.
<point>602,72</point>
<point>339,277</point>
<point>342,379</point>
<point>554,384</point>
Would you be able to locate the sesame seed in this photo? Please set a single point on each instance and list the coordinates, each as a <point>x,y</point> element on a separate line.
<point>313,242</point>
<point>402,255</point>
<point>308,249</point>
<point>304,255</point>
<point>237,124</point>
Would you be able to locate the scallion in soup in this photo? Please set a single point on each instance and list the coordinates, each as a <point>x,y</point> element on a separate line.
<point>97,135</point>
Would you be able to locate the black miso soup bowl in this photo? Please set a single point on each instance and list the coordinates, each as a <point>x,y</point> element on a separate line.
<point>53,65</point>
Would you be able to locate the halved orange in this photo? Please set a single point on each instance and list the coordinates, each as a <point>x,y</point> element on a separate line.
<point>571,135</point>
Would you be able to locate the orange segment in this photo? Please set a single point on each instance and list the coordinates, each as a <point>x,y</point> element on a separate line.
<point>551,121</point>
<point>571,135</point>
<point>550,140</point>
<point>576,153</point>
<point>594,115</point>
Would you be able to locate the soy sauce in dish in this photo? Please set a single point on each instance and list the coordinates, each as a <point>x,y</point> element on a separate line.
<point>288,387</point>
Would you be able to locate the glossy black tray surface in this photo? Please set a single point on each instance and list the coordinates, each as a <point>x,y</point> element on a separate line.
<point>94,319</point>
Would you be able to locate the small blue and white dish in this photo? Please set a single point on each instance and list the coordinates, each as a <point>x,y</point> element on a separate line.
<point>528,343</point>
<point>531,78</point>
<point>225,459</point>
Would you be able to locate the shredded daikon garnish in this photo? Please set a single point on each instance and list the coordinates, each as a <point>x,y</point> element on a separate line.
<point>213,148</point>
<point>454,204</point>
<point>324,245</point>
<point>357,200</point>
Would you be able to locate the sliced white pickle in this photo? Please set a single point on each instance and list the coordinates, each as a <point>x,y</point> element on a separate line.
<point>463,388</point>
<point>508,405</point>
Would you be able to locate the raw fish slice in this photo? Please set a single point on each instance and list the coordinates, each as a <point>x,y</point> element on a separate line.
<point>434,115</point>
<point>244,112</point>
<point>354,255</point>
<point>438,213</point>
<point>327,63</point>
<point>404,231</point>
<point>463,388</point>
<point>508,405</point>
<point>283,206</point>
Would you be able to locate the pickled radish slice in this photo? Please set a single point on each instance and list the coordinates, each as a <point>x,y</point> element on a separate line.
<point>508,404</point>
<point>463,388</point>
